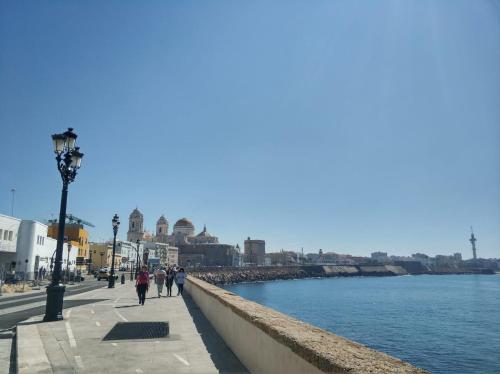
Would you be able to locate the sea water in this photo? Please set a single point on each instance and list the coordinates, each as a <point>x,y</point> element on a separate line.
<point>442,323</point>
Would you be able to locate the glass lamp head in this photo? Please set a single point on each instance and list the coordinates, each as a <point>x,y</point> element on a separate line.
<point>59,141</point>
<point>115,221</point>
<point>70,138</point>
<point>76,158</point>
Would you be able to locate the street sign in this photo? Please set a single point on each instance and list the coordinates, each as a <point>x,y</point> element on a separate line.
<point>80,261</point>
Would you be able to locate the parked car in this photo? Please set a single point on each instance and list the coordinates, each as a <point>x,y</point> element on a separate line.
<point>104,274</point>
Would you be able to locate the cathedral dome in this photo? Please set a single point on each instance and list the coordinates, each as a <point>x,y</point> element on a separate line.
<point>184,222</point>
<point>184,227</point>
<point>136,214</point>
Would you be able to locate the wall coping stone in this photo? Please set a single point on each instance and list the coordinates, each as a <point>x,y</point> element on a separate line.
<point>323,349</point>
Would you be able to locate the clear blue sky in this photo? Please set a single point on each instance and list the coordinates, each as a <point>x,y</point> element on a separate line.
<point>347,125</point>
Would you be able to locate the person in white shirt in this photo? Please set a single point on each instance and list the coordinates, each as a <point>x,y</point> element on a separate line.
<point>160,276</point>
<point>180,277</point>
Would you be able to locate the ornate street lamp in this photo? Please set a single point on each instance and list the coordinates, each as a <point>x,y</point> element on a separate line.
<point>69,160</point>
<point>145,257</point>
<point>89,263</point>
<point>116,223</point>
<point>138,262</point>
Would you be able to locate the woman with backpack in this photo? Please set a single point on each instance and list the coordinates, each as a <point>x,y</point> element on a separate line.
<point>142,284</point>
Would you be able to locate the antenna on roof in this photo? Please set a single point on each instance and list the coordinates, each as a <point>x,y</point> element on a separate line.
<point>13,192</point>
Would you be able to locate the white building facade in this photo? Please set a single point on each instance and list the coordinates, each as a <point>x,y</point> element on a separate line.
<point>25,248</point>
<point>9,228</point>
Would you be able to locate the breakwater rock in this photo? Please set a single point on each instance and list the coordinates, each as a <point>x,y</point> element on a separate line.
<point>227,275</point>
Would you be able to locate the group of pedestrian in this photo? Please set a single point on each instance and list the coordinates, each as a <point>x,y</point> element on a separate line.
<point>162,277</point>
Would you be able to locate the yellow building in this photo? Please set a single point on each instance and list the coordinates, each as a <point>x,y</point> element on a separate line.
<point>101,256</point>
<point>77,235</point>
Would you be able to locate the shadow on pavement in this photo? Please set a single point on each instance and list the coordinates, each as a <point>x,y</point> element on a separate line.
<point>11,319</point>
<point>223,358</point>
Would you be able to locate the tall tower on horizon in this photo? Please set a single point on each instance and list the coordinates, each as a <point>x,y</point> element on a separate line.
<point>162,230</point>
<point>473,242</point>
<point>135,226</point>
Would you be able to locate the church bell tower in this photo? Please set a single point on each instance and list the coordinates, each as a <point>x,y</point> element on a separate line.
<point>135,226</point>
<point>162,230</point>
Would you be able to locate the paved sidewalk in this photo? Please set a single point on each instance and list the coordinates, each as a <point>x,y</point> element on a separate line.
<point>76,344</point>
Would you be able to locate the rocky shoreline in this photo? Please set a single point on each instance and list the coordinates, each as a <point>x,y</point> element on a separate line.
<point>229,275</point>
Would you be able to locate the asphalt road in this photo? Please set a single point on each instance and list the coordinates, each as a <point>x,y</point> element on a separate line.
<point>9,320</point>
<point>33,298</point>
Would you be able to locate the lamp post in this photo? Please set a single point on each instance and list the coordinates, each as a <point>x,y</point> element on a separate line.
<point>131,271</point>
<point>116,223</point>
<point>68,277</point>
<point>145,257</point>
<point>90,262</point>
<point>137,262</point>
<point>69,160</point>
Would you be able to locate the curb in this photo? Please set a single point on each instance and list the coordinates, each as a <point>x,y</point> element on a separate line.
<point>31,356</point>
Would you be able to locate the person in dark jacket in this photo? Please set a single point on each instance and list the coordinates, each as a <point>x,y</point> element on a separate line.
<point>169,280</point>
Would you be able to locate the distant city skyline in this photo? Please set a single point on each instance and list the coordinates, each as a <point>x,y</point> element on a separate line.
<point>347,126</point>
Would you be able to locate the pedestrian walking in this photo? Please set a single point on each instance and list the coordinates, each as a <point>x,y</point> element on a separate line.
<point>169,281</point>
<point>160,276</point>
<point>142,284</point>
<point>180,277</point>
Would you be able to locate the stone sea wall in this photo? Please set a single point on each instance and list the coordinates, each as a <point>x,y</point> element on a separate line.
<point>267,341</point>
<point>228,275</point>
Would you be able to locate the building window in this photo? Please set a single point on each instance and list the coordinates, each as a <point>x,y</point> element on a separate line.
<point>43,240</point>
<point>132,224</point>
<point>5,235</point>
<point>1,232</point>
<point>10,235</point>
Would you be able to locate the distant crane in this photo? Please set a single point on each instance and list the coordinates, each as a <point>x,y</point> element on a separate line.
<point>72,219</point>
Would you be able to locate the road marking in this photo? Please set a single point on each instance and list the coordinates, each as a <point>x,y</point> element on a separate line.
<point>184,361</point>
<point>72,341</point>
<point>68,313</point>
<point>97,323</point>
<point>114,344</point>
<point>138,371</point>
<point>92,311</point>
<point>116,300</point>
<point>119,315</point>
<point>79,362</point>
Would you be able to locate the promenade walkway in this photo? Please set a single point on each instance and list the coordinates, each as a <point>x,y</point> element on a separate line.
<point>76,344</point>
